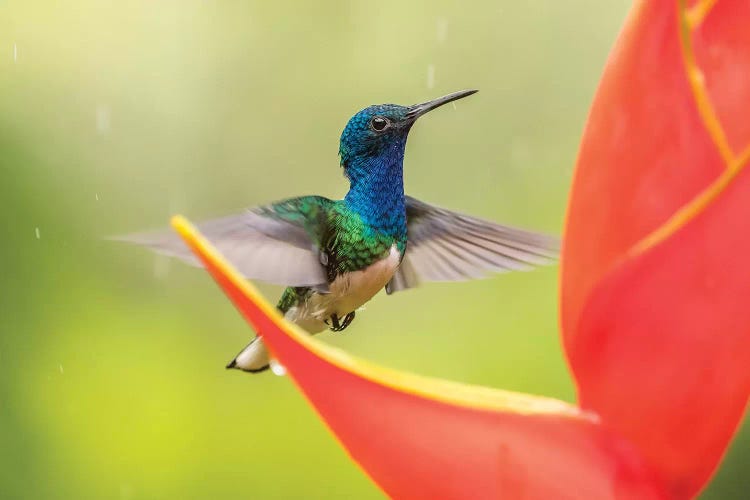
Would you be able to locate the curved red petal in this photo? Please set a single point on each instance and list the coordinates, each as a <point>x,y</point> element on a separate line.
<point>655,277</point>
<point>418,437</point>
<point>644,154</point>
<point>662,350</point>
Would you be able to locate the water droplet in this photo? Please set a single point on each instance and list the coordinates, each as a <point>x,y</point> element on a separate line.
<point>430,76</point>
<point>102,119</point>
<point>441,29</point>
<point>277,368</point>
<point>454,105</point>
<point>96,195</point>
<point>61,370</point>
<point>38,234</point>
<point>15,52</point>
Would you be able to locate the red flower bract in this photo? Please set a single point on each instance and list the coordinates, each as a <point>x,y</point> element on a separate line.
<point>419,437</point>
<point>655,279</point>
<point>654,313</point>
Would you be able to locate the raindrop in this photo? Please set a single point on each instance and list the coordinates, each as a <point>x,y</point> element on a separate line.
<point>430,76</point>
<point>15,52</point>
<point>38,234</point>
<point>102,119</point>
<point>96,195</point>
<point>441,29</point>
<point>277,368</point>
<point>61,370</point>
<point>454,105</point>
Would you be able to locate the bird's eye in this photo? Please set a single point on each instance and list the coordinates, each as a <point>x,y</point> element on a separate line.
<point>378,123</point>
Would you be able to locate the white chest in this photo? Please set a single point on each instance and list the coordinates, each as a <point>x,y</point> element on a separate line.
<point>363,285</point>
<point>351,290</point>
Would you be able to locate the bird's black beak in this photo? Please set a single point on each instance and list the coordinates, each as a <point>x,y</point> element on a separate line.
<point>417,110</point>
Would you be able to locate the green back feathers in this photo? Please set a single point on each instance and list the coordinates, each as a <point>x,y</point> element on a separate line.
<point>345,241</point>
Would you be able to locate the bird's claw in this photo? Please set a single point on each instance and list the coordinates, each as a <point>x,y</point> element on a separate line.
<point>337,326</point>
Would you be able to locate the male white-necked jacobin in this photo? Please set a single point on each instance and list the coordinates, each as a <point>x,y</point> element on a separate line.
<point>335,255</point>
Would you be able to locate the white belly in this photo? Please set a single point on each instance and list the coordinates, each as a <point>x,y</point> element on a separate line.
<point>347,293</point>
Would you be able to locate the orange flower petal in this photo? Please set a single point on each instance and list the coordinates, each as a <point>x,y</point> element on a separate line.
<point>655,273</point>
<point>419,437</point>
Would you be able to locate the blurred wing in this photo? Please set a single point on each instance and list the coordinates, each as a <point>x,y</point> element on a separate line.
<point>277,243</point>
<point>448,246</point>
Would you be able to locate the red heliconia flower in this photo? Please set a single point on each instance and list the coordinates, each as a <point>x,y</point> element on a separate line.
<point>655,306</point>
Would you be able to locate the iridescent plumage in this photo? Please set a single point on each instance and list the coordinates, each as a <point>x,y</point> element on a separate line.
<point>334,255</point>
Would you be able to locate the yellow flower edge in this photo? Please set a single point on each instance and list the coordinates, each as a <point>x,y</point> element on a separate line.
<point>444,391</point>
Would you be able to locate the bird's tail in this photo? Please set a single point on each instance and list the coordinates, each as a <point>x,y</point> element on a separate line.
<point>255,357</point>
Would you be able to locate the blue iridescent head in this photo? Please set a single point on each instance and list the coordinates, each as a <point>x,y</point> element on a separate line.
<point>380,131</point>
<point>372,155</point>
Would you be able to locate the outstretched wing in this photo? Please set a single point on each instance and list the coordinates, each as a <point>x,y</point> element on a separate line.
<point>277,243</point>
<point>448,246</point>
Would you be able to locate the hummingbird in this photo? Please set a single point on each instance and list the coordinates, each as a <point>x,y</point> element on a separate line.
<point>334,255</point>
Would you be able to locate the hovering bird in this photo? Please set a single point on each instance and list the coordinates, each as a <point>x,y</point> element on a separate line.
<point>335,255</point>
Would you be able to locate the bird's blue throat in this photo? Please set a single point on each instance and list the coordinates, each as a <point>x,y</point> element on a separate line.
<point>376,191</point>
<point>372,155</point>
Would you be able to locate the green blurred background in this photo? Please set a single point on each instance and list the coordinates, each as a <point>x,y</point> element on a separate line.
<point>114,115</point>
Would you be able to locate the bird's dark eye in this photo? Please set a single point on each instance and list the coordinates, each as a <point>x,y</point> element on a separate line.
<point>379,123</point>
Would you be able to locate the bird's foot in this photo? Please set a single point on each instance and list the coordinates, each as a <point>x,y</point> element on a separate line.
<point>337,326</point>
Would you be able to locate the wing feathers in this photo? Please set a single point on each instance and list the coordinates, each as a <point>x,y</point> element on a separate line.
<point>449,246</point>
<point>261,246</point>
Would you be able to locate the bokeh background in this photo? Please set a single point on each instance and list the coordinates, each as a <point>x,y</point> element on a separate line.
<point>115,115</point>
